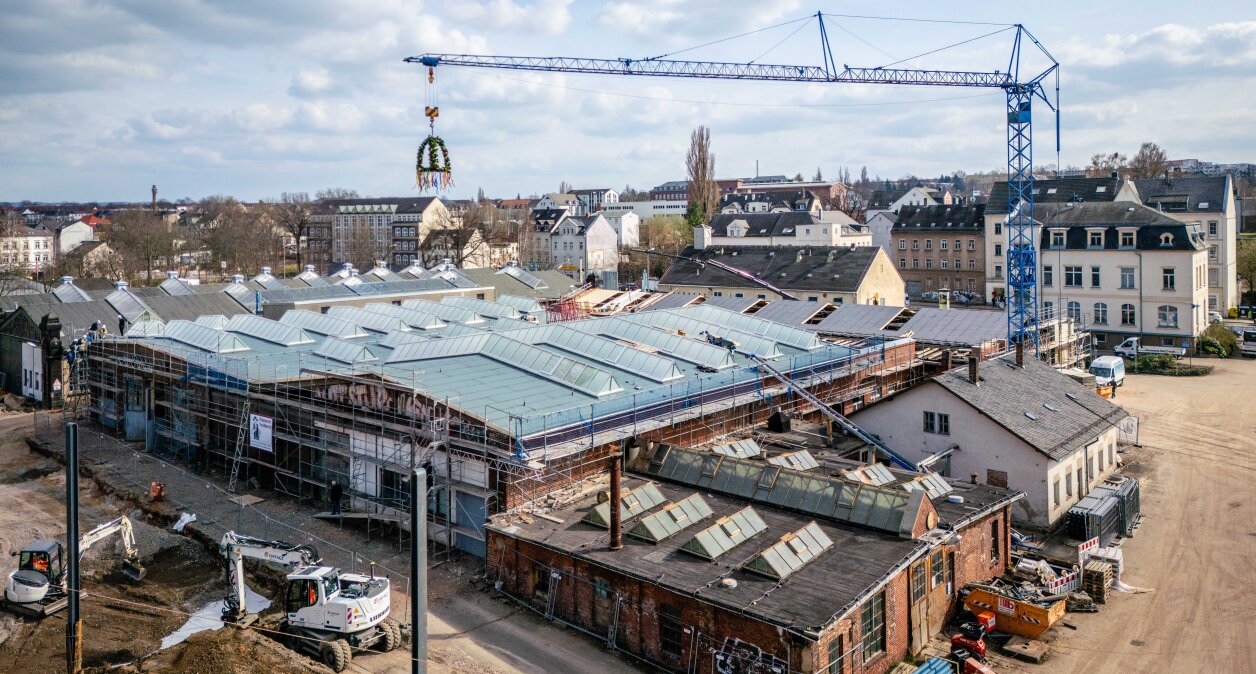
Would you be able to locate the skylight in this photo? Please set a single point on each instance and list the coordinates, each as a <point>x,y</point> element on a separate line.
<point>800,460</point>
<point>268,330</point>
<point>632,504</point>
<point>725,534</point>
<point>672,519</point>
<point>740,449</point>
<point>344,352</point>
<point>791,553</point>
<point>203,338</point>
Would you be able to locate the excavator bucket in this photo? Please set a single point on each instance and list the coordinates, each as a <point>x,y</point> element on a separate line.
<point>133,570</point>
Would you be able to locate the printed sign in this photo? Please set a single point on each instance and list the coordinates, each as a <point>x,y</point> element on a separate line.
<point>56,386</point>
<point>1007,606</point>
<point>260,430</point>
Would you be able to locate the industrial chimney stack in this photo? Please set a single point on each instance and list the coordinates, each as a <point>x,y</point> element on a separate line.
<point>617,534</point>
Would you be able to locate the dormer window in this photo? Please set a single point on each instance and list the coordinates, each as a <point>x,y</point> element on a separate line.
<point>1095,240</point>
<point>1057,239</point>
<point>1101,189</point>
<point>1127,239</point>
<point>1166,239</point>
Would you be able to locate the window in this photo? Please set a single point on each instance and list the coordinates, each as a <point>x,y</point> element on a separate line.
<point>1096,240</point>
<point>1127,239</point>
<point>1094,277</point>
<point>928,263</point>
<point>915,244</point>
<point>1212,252</point>
<point>915,263</point>
<point>1075,311</point>
<point>1212,228</point>
<point>1057,239</point>
<point>902,263</point>
<point>972,264</point>
<point>1167,316</point>
<point>1166,239</point>
<point>998,250</point>
<point>942,244</point>
<point>669,630</point>
<point>994,540</point>
<point>998,228</point>
<point>1170,278</point>
<point>1055,491</point>
<point>928,244</point>
<point>1048,310</point>
<point>937,423</point>
<point>937,569</point>
<point>902,244</point>
<point>540,579</point>
<point>946,263</point>
<point>1127,278</point>
<point>944,424</point>
<point>931,422</point>
<point>1127,314</point>
<point>998,271</point>
<point>1214,276</point>
<point>1048,275</point>
<point>919,582</point>
<point>837,655</point>
<point>1073,277</point>
<point>872,626</point>
<point>1101,313</point>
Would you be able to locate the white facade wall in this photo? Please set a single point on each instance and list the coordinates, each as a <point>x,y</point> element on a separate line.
<point>577,255</point>
<point>627,226</point>
<point>879,228</point>
<point>73,235</point>
<point>1220,230</point>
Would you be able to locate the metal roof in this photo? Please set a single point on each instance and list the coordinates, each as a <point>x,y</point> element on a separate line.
<point>127,304</point>
<point>862,320</point>
<point>146,329</point>
<point>791,552</point>
<point>746,342</point>
<point>524,305</point>
<point>601,349</point>
<point>525,277</point>
<point>414,318</point>
<point>344,352</point>
<point>482,307</point>
<point>268,330</point>
<point>782,334</point>
<point>933,484</point>
<point>175,286</point>
<point>268,282</point>
<point>215,321</point>
<point>445,311</point>
<point>684,348</point>
<point>674,300</point>
<point>874,474</point>
<point>727,533</point>
<point>791,312</point>
<point>369,319</point>
<point>322,324</point>
<point>958,326</point>
<point>68,293</point>
<point>203,338</point>
<point>671,519</point>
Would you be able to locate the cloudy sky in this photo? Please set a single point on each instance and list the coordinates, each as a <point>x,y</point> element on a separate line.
<point>101,98</point>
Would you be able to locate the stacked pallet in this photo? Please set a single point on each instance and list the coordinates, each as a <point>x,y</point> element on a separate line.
<point>1097,580</point>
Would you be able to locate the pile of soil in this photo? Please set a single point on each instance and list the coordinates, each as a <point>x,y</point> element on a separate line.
<point>224,651</point>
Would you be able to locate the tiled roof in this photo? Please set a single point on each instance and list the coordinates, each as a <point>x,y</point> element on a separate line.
<point>1059,190</point>
<point>831,269</point>
<point>763,224</point>
<point>1151,224</point>
<point>941,218</point>
<point>1190,194</point>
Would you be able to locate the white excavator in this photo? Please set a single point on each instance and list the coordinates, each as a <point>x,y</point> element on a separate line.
<point>38,587</point>
<point>327,614</point>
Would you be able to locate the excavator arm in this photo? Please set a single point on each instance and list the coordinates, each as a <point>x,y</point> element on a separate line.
<point>235,548</point>
<point>131,557</point>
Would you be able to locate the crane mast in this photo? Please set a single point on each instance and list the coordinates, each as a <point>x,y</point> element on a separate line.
<point>1022,285</point>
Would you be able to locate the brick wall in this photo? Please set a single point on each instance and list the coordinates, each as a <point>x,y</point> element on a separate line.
<point>972,555</point>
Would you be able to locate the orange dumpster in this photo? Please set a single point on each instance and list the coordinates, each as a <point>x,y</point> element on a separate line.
<point>1022,618</point>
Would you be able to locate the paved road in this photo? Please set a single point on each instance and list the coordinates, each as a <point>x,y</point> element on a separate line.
<point>1197,545</point>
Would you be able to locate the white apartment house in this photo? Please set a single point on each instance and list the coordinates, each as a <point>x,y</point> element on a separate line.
<point>581,245</point>
<point>627,226</point>
<point>1122,270</point>
<point>26,249</point>
<point>1028,428</point>
<point>555,200</point>
<point>1207,202</point>
<point>363,228</point>
<point>788,228</point>
<point>593,200</point>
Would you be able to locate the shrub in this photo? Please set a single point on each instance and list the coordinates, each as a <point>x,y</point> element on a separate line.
<point>1153,362</point>
<point>1210,345</point>
<point>1223,336</point>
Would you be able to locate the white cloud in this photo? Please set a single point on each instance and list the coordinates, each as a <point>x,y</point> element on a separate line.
<point>547,17</point>
<point>308,83</point>
<point>330,117</point>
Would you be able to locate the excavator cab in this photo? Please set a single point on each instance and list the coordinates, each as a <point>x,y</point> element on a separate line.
<point>45,558</point>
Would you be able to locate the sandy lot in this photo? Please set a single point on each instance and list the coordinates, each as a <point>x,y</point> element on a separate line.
<point>1197,544</point>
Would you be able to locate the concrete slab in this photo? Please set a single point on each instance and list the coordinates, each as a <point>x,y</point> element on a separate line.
<point>1026,649</point>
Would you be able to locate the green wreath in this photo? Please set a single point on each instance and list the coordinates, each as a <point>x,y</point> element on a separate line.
<point>437,172</point>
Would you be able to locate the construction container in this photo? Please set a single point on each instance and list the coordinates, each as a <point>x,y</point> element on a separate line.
<point>1011,615</point>
<point>1098,515</point>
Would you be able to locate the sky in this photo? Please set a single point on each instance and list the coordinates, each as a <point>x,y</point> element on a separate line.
<point>99,99</point>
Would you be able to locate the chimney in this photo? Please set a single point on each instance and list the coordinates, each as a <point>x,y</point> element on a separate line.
<point>974,362</point>
<point>946,360</point>
<point>120,285</point>
<point>154,198</point>
<point>67,280</point>
<point>617,534</point>
<point>309,268</point>
<point>265,271</point>
<point>237,278</point>
<point>1115,174</point>
<point>701,237</point>
<point>1020,353</point>
<point>172,275</point>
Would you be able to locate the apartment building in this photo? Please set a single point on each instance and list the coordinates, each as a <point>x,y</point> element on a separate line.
<point>583,245</point>
<point>936,247</point>
<point>1123,269</point>
<point>786,228</point>
<point>363,229</point>
<point>26,249</point>
<point>593,200</point>
<point>1206,202</point>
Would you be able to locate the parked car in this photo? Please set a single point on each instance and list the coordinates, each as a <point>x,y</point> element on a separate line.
<point>1247,343</point>
<point>1108,370</point>
<point>1214,317</point>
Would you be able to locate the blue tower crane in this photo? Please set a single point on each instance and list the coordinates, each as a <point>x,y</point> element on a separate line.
<point>1020,88</point>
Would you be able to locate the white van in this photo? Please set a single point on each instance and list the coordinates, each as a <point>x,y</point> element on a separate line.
<point>1108,370</point>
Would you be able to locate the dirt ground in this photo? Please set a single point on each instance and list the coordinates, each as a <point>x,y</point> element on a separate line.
<point>1197,544</point>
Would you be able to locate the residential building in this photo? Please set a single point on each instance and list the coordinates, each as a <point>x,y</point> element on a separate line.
<point>1123,270</point>
<point>627,226</point>
<point>363,230</point>
<point>71,235</point>
<point>585,245</point>
<point>593,200</point>
<point>1023,427</point>
<point>826,274</point>
<point>892,200</point>
<point>29,250</point>
<point>782,228</point>
<point>881,227</point>
<point>1208,203</point>
<point>535,252</point>
<point>1046,192</point>
<point>319,235</point>
<point>937,247</point>
<point>700,577</point>
<point>672,190</point>
<point>555,200</point>
<point>799,201</point>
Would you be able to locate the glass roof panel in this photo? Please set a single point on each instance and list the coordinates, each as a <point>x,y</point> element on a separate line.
<point>322,324</point>
<point>268,330</point>
<point>344,352</point>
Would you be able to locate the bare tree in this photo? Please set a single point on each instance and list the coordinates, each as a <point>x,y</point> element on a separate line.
<point>245,239</point>
<point>336,193</point>
<point>143,239</point>
<point>704,194</point>
<point>564,187</point>
<point>364,248</point>
<point>1150,162</point>
<point>1103,165</point>
<point>293,213</point>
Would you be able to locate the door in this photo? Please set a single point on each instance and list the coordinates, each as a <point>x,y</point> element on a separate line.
<point>918,596</point>
<point>32,371</point>
<point>135,417</point>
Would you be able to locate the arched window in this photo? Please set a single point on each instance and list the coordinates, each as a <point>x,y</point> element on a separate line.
<point>1167,316</point>
<point>1127,314</point>
<point>1075,311</point>
<point>1166,239</point>
<point>1101,313</point>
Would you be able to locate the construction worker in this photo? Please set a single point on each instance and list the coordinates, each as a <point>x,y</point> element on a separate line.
<point>311,593</point>
<point>335,494</point>
<point>40,564</point>
<point>121,325</point>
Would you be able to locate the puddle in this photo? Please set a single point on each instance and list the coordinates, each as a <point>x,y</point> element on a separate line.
<point>208,617</point>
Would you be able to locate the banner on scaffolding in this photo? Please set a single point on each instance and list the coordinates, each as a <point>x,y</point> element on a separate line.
<point>260,432</point>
